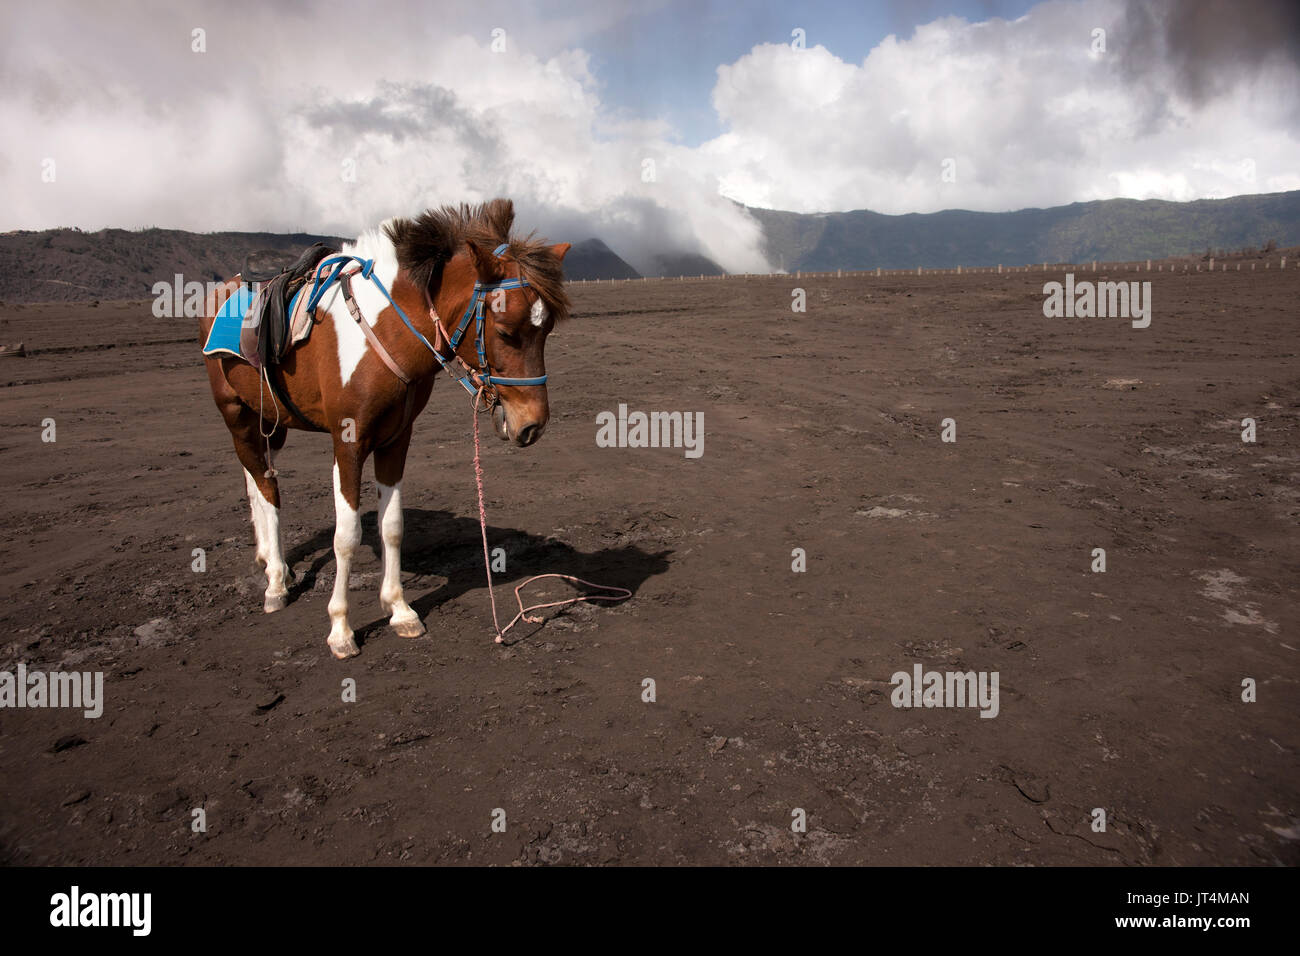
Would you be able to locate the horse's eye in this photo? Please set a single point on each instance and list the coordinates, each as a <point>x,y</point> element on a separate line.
<point>508,337</point>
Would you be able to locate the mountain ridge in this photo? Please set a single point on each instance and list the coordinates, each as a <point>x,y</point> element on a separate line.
<point>1103,229</point>
<point>72,265</point>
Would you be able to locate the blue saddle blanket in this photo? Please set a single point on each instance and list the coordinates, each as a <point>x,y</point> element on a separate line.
<point>229,323</point>
<point>236,328</point>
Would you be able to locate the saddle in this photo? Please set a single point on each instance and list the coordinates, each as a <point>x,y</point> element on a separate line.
<point>261,329</point>
<point>267,332</point>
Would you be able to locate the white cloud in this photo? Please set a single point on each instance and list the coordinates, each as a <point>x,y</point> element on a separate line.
<point>254,134</point>
<point>259,132</point>
<point>1030,115</point>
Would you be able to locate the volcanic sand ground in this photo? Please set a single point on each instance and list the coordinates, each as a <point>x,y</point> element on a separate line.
<point>1119,690</point>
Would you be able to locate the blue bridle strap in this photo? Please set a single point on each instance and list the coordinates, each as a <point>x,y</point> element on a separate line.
<point>331,269</point>
<point>475,311</point>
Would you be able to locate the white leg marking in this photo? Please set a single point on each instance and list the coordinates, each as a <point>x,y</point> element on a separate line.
<point>277,572</point>
<point>266,524</point>
<point>347,536</point>
<point>259,526</point>
<point>404,620</point>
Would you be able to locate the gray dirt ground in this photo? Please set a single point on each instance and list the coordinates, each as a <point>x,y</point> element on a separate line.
<point>1118,690</point>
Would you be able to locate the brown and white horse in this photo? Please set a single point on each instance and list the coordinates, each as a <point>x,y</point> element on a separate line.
<point>345,379</point>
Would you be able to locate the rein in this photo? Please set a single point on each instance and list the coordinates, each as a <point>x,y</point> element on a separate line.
<point>487,564</point>
<point>479,384</point>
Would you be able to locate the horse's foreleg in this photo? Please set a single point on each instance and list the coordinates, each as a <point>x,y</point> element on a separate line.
<point>389,466</point>
<point>347,536</point>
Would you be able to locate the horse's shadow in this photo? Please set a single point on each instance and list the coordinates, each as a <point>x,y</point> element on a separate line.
<point>441,544</point>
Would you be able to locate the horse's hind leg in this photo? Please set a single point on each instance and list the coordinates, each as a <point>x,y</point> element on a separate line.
<point>347,537</point>
<point>263,498</point>
<point>259,524</point>
<point>390,463</point>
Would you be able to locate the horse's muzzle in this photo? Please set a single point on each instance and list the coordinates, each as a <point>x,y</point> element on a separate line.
<point>528,435</point>
<point>523,436</point>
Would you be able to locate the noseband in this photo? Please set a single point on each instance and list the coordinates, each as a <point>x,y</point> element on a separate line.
<point>471,380</point>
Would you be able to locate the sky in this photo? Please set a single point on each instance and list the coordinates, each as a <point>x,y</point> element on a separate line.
<point>647,124</point>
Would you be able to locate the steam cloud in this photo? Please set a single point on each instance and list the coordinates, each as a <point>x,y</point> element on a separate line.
<point>1193,98</point>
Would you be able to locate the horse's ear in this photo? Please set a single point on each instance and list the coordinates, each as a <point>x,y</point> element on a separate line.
<point>485,264</point>
<point>561,249</point>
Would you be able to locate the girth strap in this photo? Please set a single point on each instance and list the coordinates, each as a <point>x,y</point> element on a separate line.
<point>281,395</point>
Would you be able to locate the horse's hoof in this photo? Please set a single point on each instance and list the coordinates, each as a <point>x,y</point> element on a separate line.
<point>275,603</point>
<point>344,648</point>
<point>411,628</point>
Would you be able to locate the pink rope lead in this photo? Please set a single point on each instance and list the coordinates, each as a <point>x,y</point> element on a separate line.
<point>487,562</point>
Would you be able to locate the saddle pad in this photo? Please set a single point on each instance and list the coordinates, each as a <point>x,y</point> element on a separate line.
<point>224,336</point>
<point>235,330</point>
<point>300,322</point>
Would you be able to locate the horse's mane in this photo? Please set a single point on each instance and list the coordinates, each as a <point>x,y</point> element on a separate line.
<point>425,244</point>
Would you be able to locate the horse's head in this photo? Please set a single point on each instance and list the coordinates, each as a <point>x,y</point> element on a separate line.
<point>522,301</point>
<point>464,260</point>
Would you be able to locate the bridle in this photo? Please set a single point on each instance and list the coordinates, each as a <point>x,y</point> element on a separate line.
<point>474,381</point>
<point>483,378</point>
